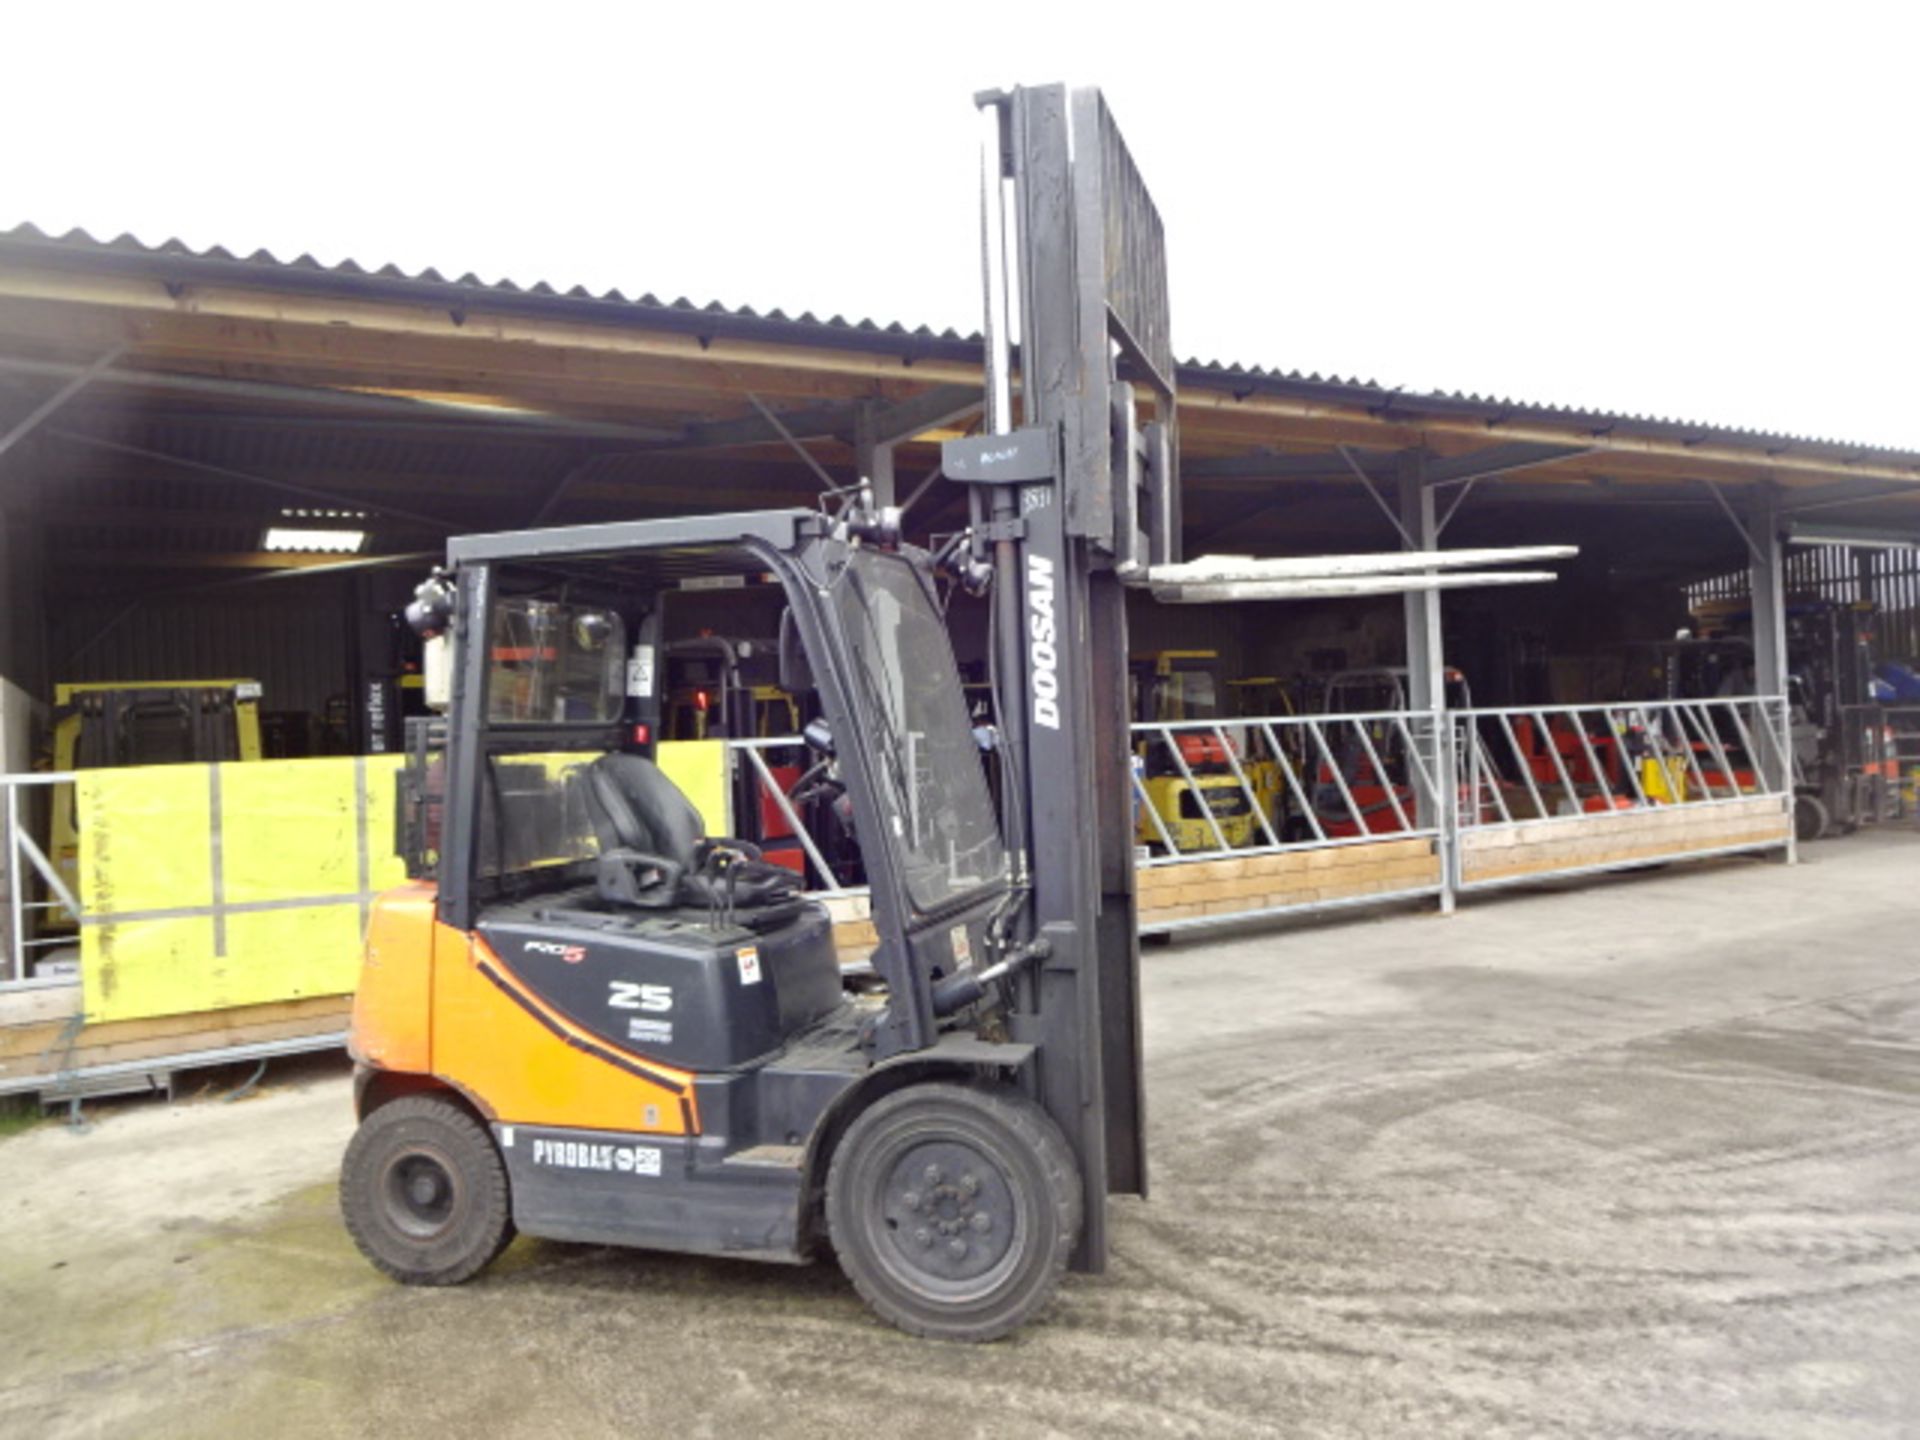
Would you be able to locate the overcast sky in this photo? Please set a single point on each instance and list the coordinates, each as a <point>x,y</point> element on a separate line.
<point>1685,210</point>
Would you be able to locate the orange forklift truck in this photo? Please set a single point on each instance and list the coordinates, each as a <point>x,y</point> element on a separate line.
<point>585,1019</point>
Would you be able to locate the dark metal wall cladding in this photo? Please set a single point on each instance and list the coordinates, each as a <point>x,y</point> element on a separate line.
<point>291,636</point>
<point>1830,572</point>
<point>1896,585</point>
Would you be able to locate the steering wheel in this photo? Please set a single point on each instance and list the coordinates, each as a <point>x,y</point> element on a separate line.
<point>814,781</point>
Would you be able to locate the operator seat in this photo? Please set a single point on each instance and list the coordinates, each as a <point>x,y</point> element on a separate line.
<point>655,853</point>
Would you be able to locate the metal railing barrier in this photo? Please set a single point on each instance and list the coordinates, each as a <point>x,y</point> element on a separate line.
<point>1252,816</point>
<point>1629,783</point>
<point>39,898</point>
<point>1226,813</point>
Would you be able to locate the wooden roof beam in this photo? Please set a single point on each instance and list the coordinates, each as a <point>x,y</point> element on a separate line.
<point>1269,465</point>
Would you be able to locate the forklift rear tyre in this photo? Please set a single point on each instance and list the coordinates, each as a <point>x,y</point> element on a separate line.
<point>424,1193</point>
<point>1811,821</point>
<point>953,1209</point>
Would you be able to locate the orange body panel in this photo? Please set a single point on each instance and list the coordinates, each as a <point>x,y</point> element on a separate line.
<point>434,1000</point>
<point>392,1008</point>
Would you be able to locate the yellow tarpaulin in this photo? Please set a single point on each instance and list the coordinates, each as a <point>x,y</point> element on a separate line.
<point>211,886</point>
<point>699,768</point>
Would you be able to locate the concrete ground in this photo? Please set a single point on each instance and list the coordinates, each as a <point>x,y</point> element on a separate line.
<point>1634,1159</point>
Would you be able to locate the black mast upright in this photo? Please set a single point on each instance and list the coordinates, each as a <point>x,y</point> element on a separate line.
<point>1079,497</point>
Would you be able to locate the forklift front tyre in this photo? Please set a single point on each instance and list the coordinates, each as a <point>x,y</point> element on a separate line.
<point>424,1192</point>
<point>953,1209</point>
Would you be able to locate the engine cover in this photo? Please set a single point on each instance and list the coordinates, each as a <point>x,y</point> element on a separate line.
<point>669,986</point>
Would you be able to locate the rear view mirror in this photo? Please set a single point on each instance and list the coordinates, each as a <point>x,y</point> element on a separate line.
<point>796,675</point>
<point>818,736</point>
<point>431,610</point>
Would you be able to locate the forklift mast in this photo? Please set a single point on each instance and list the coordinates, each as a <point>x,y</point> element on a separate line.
<point>1070,500</point>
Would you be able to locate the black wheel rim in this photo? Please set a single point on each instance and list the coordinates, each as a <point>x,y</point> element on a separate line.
<point>943,1217</point>
<point>420,1193</point>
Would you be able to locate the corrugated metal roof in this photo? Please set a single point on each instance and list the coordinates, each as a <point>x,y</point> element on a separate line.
<point>1497,410</point>
<point>178,260</point>
<point>304,271</point>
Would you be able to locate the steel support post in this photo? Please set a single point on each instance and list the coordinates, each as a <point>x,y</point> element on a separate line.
<point>1427,672</point>
<point>16,889</point>
<point>873,454</point>
<point>1770,639</point>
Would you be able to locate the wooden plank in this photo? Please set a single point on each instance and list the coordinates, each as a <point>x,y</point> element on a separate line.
<point>1546,861</point>
<point>1160,878</point>
<point>234,323</point>
<point>20,1041</point>
<point>40,1004</point>
<point>159,1050</point>
<point>855,941</point>
<point>1621,827</point>
<point>231,317</point>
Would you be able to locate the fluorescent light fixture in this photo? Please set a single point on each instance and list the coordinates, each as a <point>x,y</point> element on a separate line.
<point>1859,537</point>
<point>314,542</point>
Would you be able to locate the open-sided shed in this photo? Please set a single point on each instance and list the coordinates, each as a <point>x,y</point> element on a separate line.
<point>165,406</point>
<point>162,408</point>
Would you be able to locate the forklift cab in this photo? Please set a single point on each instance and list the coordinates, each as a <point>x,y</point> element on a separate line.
<point>1384,687</point>
<point>1177,685</point>
<point>551,726</point>
<point>1369,750</point>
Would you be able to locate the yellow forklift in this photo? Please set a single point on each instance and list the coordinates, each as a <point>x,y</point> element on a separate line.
<point>1186,774</point>
<point>716,691</point>
<point>1266,697</point>
<point>103,724</point>
<point>1195,774</point>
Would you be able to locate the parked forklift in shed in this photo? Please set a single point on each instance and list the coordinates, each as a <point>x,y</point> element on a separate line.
<point>1844,753</point>
<point>104,724</point>
<point>1188,778</point>
<point>588,1020</point>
